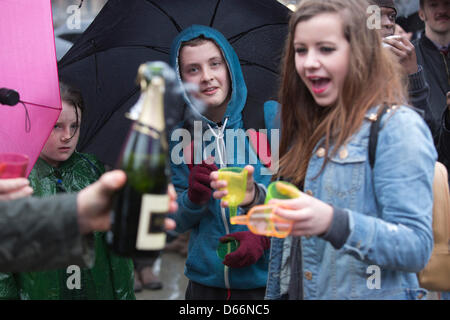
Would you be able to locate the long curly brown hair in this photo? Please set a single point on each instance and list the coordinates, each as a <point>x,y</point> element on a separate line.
<point>374,78</point>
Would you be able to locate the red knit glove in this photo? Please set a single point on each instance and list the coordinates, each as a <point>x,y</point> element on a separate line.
<point>199,190</point>
<point>251,248</point>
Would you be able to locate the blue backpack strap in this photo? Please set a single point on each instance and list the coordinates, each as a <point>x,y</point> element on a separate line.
<point>271,116</point>
<point>373,138</point>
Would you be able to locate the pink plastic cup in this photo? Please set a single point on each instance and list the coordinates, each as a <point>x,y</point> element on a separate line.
<point>13,165</point>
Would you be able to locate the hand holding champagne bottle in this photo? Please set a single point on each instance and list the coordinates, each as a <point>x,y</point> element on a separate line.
<point>142,205</point>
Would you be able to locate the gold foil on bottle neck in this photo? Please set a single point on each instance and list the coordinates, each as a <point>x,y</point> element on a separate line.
<point>152,113</point>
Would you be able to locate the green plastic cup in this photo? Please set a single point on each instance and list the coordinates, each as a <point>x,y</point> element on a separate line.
<point>281,190</point>
<point>225,248</point>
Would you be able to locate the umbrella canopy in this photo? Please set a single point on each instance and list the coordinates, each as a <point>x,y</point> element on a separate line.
<point>65,37</point>
<point>126,33</point>
<point>28,66</point>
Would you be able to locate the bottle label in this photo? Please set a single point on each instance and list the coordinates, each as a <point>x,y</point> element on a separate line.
<point>153,207</point>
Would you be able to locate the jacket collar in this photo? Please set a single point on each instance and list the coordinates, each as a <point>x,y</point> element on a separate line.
<point>430,44</point>
<point>44,170</point>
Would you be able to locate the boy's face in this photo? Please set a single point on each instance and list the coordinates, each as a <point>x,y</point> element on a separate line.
<point>436,15</point>
<point>64,137</point>
<point>205,66</point>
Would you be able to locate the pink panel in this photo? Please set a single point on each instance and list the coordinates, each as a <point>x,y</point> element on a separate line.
<point>27,51</point>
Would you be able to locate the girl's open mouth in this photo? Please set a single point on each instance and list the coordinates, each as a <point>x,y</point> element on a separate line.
<point>319,85</point>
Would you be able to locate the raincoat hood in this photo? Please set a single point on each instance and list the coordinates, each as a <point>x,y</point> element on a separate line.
<point>238,87</point>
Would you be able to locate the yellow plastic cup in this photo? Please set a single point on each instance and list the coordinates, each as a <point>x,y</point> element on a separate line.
<point>236,179</point>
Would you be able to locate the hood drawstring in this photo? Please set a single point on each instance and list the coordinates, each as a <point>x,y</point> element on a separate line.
<point>220,143</point>
<point>221,153</point>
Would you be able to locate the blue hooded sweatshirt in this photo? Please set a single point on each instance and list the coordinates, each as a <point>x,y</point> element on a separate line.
<point>209,222</point>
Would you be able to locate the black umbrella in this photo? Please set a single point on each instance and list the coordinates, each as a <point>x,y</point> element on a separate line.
<point>126,33</point>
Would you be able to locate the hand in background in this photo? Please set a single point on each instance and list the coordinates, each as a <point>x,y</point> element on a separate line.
<point>405,51</point>
<point>401,32</point>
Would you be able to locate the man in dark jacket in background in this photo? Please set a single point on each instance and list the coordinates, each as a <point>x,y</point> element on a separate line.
<point>433,54</point>
<point>402,48</point>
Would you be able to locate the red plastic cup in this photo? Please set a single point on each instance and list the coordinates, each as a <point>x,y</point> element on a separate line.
<point>13,165</point>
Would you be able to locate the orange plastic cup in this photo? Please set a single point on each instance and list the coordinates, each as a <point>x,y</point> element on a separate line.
<point>263,221</point>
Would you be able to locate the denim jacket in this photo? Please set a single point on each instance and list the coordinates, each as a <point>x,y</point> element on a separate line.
<point>389,210</point>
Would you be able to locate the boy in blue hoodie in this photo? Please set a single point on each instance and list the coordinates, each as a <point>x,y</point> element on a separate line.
<point>202,56</point>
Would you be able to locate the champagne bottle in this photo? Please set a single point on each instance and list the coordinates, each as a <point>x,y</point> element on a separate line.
<point>142,204</point>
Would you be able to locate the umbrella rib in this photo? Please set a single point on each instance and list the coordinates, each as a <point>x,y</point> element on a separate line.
<point>167,14</point>
<point>158,49</point>
<point>40,105</point>
<point>246,62</point>
<point>242,34</point>
<point>214,14</point>
<point>97,87</point>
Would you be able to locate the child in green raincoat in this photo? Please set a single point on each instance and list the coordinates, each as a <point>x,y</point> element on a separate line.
<point>62,169</point>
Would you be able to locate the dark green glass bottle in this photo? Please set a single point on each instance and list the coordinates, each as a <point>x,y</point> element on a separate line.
<point>141,206</point>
